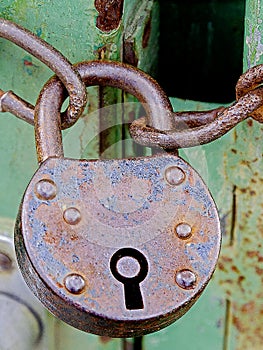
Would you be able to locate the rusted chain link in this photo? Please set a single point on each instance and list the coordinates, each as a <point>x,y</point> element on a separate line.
<point>248,81</point>
<point>189,137</point>
<point>249,94</point>
<point>55,61</point>
<point>10,102</point>
<point>187,129</point>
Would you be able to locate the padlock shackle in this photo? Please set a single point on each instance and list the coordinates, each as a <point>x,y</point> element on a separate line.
<point>104,73</point>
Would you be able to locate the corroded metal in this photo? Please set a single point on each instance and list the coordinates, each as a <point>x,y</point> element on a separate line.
<point>122,76</point>
<point>174,139</point>
<point>54,60</point>
<point>161,128</point>
<point>128,206</point>
<point>110,14</point>
<point>10,102</point>
<point>248,81</point>
<point>79,219</point>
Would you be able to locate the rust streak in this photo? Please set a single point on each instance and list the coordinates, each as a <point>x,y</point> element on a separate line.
<point>227,325</point>
<point>146,33</point>
<point>105,340</point>
<point>129,54</point>
<point>233,221</point>
<point>110,14</point>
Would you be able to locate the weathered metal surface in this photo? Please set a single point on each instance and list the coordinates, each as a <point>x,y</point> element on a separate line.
<point>132,80</point>
<point>241,262</point>
<point>76,215</point>
<point>9,102</point>
<point>110,14</point>
<point>54,60</point>
<point>173,139</point>
<point>248,81</point>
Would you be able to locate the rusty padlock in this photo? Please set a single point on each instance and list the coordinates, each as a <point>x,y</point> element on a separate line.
<point>120,247</point>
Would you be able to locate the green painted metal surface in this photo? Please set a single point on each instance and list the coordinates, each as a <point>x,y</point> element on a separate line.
<point>228,316</point>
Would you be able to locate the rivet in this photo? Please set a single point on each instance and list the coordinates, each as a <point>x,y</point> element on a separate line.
<point>72,216</point>
<point>183,230</point>
<point>174,175</point>
<point>46,189</point>
<point>5,262</point>
<point>185,279</point>
<point>74,283</point>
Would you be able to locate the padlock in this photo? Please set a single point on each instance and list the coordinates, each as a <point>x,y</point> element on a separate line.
<point>120,247</point>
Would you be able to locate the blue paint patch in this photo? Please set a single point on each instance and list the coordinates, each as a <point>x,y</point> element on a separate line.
<point>75,258</point>
<point>39,32</point>
<point>146,205</point>
<point>204,249</point>
<point>198,192</point>
<point>39,230</point>
<point>88,173</point>
<point>126,216</point>
<point>62,241</point>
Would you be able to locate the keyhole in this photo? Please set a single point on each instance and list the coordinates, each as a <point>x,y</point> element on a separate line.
<point>130,267</point>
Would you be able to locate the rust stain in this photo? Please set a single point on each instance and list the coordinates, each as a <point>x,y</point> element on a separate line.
<point>110,14</point>
<point>105,340</point>
<point>250,122</point>
<point>253,254</point>
<point>235,269</point>
<point>147,33</point>
<point>101,52</point>
<point>226,259</point>
<point>239,325</point>
<point>241,270</point>
<point>248,307</point>
<point>259,271</point>
<point>129,53</point>
<point>240,280</point>
<point>221,266</point>
<point>28,63</point>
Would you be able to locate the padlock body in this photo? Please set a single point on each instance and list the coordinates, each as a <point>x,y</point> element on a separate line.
<point>119,248</point>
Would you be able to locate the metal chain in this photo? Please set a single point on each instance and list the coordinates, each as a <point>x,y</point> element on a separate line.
<point>249,103</point>
<point>55,61</point>
<point>189,128</point>
<point>162,127</point>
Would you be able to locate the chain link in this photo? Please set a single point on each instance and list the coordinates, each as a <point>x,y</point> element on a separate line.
<point>215,124</point>
<point>55,61</point>
<point>162,127</point>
